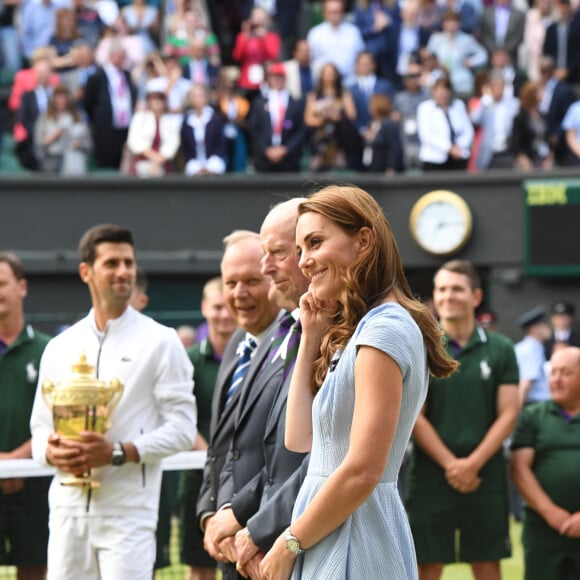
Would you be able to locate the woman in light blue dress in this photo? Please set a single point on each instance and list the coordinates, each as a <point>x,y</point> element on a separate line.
<point>360,380</point>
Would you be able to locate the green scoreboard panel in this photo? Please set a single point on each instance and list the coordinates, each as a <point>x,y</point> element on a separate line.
<point>552,227</point>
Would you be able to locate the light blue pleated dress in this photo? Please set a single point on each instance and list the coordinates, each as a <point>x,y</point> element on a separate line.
<point>375,542</point>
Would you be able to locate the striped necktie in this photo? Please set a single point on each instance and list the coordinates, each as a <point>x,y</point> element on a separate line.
<point>292,349</point>
<point>245,350</point>
<point>281,333</point>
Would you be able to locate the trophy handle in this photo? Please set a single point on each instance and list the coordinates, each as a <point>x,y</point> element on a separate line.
<point>116,389</point>
<point>47,388</point>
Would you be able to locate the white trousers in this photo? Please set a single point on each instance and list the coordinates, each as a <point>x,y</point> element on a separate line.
<point>100,548</point>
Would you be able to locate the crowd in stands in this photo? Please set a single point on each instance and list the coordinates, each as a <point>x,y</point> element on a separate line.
<point>195,87</point>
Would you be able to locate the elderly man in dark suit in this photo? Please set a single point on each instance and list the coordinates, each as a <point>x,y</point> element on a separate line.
<point>280,476</point>
<point>246,294</point>
<point>109,101</point>
<point>277,125</point>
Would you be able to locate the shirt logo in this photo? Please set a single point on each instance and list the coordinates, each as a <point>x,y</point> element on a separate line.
<point>485,370</point>
<point>31,372</point>
<point>125,359</point>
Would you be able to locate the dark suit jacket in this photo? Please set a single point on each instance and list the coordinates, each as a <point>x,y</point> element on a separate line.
<point>573,47</point>
<point>514,34</point>
<point>221,427</point>
<point>215,139</point>
<point>361,100</point>
<point>293,135</point>
<point>245,458</point>
<point>387,148</point>
<point>387,68</point>
<point>98,106</point>
<point>279,465</point>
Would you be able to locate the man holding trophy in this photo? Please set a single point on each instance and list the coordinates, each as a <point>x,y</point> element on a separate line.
<point>114,397</point>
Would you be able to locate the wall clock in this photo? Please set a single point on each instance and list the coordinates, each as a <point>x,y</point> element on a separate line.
<point>441,222</point>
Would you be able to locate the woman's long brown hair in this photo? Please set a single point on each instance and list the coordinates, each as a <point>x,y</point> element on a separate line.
<point>375,275</point>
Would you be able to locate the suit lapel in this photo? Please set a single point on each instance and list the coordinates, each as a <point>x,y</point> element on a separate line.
<point>277,408</point>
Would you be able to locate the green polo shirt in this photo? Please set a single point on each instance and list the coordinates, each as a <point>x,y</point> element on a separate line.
<point>463,407</point>
<point>555,439</point>
<point>18,377</point>
<point>205,369</point>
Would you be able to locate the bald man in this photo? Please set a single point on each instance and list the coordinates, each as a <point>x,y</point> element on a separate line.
<point>545,468</point>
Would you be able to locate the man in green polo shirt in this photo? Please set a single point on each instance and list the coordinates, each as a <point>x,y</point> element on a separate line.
<point>23,502</point>
<point>546,469</point>
<point>458,501</point>
<point>206,357</point>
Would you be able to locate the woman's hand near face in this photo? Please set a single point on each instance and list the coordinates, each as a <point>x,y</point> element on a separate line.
<point>315,315</point>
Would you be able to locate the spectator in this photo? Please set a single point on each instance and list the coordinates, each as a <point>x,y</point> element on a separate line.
<point>299,80</point>
<point>255,46</point>
<point>538,19</point>
<point>495,116</point>
<point>557,97</point>
<point>37,25</point>
<point>502,26</point>
<point>206,356</point>
<point>474,104</point>
<point>23,502</point>
<point>409,39</point>
<point>513,79</point>
<point>458,480</point>
<point>27,80</point>
<point>377,22</point>
<point>562,42</point>
<point>331,115</point>
<point>383,152</point>
<point>546,446</point>
<point>84,66</point>
<point>63,39</point>
<point>142,20</point>
<point>174,84</point>
<point>365,85</point>
<point>62,140</point>
<point>203,141</point>
<point>9,42</point>
<point>235,109</point>
<point>529,139</point>
<point>198,68</point>
<point>32,104</point>
<point>324,38</point>
<point>445,130</point>
<point>459,53</point>
<point>571,126</point>
<point>561,320</point>
<point>430,15</point>
<point>134,56</point>
<point>531,356</point>
<point>431,69</point>
<point>277,125</point>
<point>156,418</point>
<point>109,101</point>
<point>468,15</point>
<point>406,103</point>
<point>182,30</point>
<point>153,138</point>
<point>88,23</point>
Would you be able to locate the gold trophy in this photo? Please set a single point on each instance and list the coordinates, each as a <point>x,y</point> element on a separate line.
<point>81,403</point>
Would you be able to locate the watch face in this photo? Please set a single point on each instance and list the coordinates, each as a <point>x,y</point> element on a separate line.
<point>292,545</point>
<point>441,224</point>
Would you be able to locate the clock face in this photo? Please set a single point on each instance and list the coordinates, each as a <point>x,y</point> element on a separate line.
<point>441,223</point>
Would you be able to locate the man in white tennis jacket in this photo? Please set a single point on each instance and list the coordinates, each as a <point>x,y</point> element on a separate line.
<point>109,532</point>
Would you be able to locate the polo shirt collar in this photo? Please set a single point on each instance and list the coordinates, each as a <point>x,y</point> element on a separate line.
<point>25,336</point>
<point>478,337</point>
<point>555,409</point>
